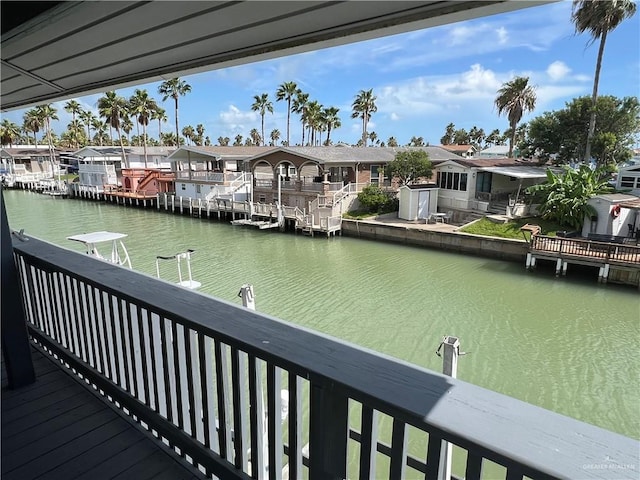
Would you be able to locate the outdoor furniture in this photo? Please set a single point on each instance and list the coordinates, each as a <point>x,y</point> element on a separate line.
<point>438,217</point>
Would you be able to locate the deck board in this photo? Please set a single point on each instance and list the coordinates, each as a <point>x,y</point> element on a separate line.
<point>57,429</point>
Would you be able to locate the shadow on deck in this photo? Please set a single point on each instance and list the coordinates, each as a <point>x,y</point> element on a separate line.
<point>58,428</point>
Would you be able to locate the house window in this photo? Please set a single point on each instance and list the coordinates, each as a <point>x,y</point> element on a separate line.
<point>184,186</point>
<point>452,181</point>
<point>375,174</point>
<point>629,182</point>
<point>198,188</point>
<point>262,199</point>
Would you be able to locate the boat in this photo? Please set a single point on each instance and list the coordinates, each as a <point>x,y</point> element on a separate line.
<point>179,258</point>
<point>119,255</point>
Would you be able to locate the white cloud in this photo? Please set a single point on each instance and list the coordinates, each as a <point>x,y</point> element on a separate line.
<point>394,116</point>
<point>236,120</point>
<point>503,35</point>
<point>558,70</point>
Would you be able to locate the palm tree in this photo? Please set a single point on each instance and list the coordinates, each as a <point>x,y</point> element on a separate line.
<point>392,142</point>
<point>263,105</point>
<point>86,116</point>
<point>237,141</point>
<point>159,114</point>
<point>47,113</point>
<point>363,106</point>
<point>9,132</point>
<point>33,123</point>
<point>76,132</point>
<point>286,91</point>
<point>223,141</point>
<point>100,128</point>
<point>114,109</point>
<point>188,132</point>
<point>514,98</point>
<point>300,106</point>
<point>142,106</point>
<point>313,114</point>
<point>254,138</point>
<point>275,136</point>
<point>127,126</point>
<point>198,138</point>
<point>174,88</point>
<point>74,109</point>
<point>599,18</point>
<point>331,120</point>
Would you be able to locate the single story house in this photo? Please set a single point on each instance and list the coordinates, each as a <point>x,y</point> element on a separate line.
<point>616,214</point>
<point>497,151</point>
<point>465,151</point>
<point>475,183</point>
<point>628,179</point>
<point>25,163</point>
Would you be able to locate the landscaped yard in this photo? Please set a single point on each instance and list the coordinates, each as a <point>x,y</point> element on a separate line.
<point>511,229</point>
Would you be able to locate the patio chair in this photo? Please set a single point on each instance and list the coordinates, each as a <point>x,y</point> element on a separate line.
<point>448,217</point>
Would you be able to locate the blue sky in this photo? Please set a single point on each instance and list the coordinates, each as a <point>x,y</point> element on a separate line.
<point>423,80</point>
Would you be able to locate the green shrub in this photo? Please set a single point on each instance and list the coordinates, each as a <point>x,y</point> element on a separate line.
<point>375,200</point>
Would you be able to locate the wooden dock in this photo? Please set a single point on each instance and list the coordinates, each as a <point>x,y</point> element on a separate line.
<point>58,428</point>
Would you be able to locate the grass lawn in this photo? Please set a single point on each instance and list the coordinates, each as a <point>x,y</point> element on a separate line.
<point>511,229</point>
<point>358,214</point>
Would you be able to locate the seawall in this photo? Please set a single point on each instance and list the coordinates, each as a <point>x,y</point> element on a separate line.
<point>501,248</point>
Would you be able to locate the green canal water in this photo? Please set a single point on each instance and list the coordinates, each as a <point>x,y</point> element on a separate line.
<point>569,345</point>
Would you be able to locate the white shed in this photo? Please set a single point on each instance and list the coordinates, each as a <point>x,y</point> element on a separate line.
<point>418,201</point>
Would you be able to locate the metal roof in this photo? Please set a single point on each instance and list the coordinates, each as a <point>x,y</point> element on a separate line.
<point>97,237</point>
<point>68,49</point>
<point>521,172</point>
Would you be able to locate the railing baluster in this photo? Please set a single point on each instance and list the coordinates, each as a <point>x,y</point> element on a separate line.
<point>123,348</point>
<point>154,339</point>
<point>368,442</point>
<point>131,352</point>
<point>104,333</point>
<point>239,401</point>
<point>41,302</point>
<point>143,334</point>
<point>114,350</point>
<point>208,389</point>
<point>474,467</point>
<point>398,450</point>
<point>295,426</point>
<point>222,381</point>
<point>274,420</point>
<point>328,433</point>
<point>256,418</point>
<point>176,375</point>
<point>187,338</point>
<point>83,351</point>
<point>434,453</point>
<point>89,322</point>
<point>166,349</point>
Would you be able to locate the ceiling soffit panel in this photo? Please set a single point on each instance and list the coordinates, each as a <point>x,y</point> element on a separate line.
<point>77,48</point>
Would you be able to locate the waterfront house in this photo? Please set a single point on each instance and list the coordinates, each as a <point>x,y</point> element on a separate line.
<point>25,164</point>
<point>628,179</point>
<point>617,215</point>
<point>497,151</point>
<point>485,184</point>
<point>465,151</point>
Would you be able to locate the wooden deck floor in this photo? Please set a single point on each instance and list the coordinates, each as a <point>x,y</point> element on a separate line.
<point>58,429</point>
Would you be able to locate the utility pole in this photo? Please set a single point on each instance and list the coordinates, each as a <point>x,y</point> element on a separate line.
<point>451,347</point>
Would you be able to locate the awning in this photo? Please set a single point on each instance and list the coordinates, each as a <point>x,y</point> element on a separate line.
<point>521,172</point>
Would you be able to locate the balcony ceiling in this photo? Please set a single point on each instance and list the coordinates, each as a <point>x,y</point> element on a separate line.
<point>59,50</point>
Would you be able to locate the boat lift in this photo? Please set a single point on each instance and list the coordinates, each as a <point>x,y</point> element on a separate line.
<point>119,255</point>
<point>179,257</point>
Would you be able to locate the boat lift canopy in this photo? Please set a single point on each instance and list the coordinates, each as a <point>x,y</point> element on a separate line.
<point>91,239</point>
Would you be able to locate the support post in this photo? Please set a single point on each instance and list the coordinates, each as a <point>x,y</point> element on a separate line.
<point>248,298</point>
<point>558,267</point>
<point>16,349</point>
<point>451,347</point>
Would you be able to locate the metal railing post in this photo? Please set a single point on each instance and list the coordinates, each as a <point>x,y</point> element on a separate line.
<point>15,340</point>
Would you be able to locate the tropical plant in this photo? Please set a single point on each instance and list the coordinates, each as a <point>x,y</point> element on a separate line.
<point>461,137</point>
<point>599,18</point>
<point>254,138</point>
<point>331,120</point>
<point>237,141</point>
<point>100,136</point>
<point>287,91</point>
<point>447,138</point>
<point>47,113</point>
<point>493,138</point>
<point>262,104</point>
<point>174,88</point>
<point>416,142</point>
<point>275,136</point>
<point>142,106</point>
<point>169,139</point>
<point>188,132</point>
<point>159,114</point>
<point>563,197</point>
<point>409,165</point>
<point>113,109</point>
<point>299,106</point>
<point>199,137</point>
<point>87,116</point>
<point>313,119</point>
<point>392,142</point>
<point>74,108</point>
<point>9,132</point>
<point>223,141</point>
<point>33,123</point>
<point>127,126</point>
<point>363,106</point>
<point>514,98</point>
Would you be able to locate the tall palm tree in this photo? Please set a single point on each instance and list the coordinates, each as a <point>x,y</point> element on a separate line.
<point>363,106</point>
<point>263,105</point>
<point>76,132</point>
<point>74,108</point>
<point>188,132</point>
<point>100,128</point>
<point>113,109</point>
<point>300,106</point>
<point>237,141</point>
<point>127,125</point>
<point>514,98</point>
<point>47,113</point>
<point>392,142</point>
<point>159,114</point>
<point>313,118</point>
<point>86,116</point>
<point>254,138</point>
<point>32,122</point>
<point>174,88</point>
<point>142,106</point>
<point>286,91</point>
<point>199,137</point>
<point>275,136</point>
<point>599,18</point>
<point>9,132</point>
<point>331,120</point>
